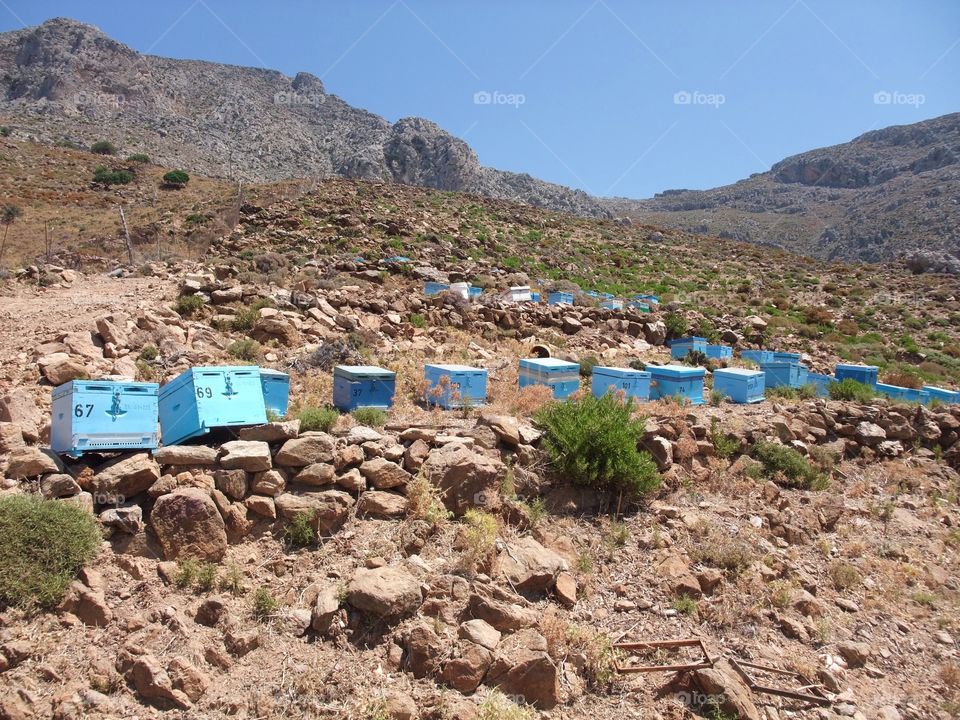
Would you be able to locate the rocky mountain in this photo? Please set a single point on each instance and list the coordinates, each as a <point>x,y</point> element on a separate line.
<point>65,81</point>
<point>885,194</point>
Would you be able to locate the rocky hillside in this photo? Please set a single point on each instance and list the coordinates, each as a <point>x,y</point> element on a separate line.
<point>64,81</point>
<point>886,194</point>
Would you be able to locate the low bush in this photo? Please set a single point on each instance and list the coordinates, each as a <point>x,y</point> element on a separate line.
<point>188,305</point>
<point>724,445</point>
<point>317,418</point>
<point>850,389</point>
<point>371,417</point>
<point>247,317</point>
<point>139,158</point>
<point>264,604</point>
<point>593,441</point>
<point>676,325</point>
<point>299,531</point>
<point>43,544</point>
<point>480,539</point>
<point>103,147</point>
<point>106,176</point>
<point>788,466</point>
<point>176,179</point>
<point>247,349</point>
<point>587,365</point>
<point>418,320</point>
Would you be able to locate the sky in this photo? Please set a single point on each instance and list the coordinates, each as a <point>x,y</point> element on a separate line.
<point>615,97</point>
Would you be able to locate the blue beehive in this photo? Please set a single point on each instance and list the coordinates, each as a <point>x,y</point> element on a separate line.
<point>681,346</point>
<point>612,304</point>
<point>803,375</point>
<point>475,292</point>
<point>677,381</point>
<point>821,382</point>
<point>276,391</point>
<point>866,374</point>
<point>895,392</point>
<point>89,416</point>
<point>560,298</point>
<point>356,386</point>
<point>781,373</point>
<point>758,356</point>
<point>203,398</point>
<point>561,376</point>
<point>943,395</point>
<point>592,293</point>
<point>719,352</point>
<point>434,288</point>
<point>639,305</point>
<point>741,386</point>
<point>464,385</point>
<point>632,383</point>
<point>652,299</point>
<point>786,357</point>
<point>534,297</point>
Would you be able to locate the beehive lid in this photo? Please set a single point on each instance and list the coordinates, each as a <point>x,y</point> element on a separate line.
<point>677,371</point>
<point>848,366</point>
<point>455,368</point>
<point>690,339</point>
<point>547,364</point>
<point>621,372</point>
<point>737,372</point>
<point>271,373</point>
<point>362,371</point>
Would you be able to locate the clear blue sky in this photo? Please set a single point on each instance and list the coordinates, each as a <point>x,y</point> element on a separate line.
<point>598,79</point>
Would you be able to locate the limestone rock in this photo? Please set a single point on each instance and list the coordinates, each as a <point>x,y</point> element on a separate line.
<point>188,524</point>
<point>387,593</point>
<point>249,455</point>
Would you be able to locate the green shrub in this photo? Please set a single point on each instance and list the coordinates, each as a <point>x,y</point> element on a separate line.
<point>139,158</point>
<point>371,417</point>
<point>176,179</point>
<point>106,176</point>
<point>43,543</point>
<point>317,418</point>
<point>789,465</point>
<point>247,349</point>
<point>850,389</point>
<point>676,325</point>
<point>299,531</point>
<point>103,147</point>
<point>685,605</point>
<point>696,357</point>
<point>188,305</point>
<point>593,441</point>
<point>587,365</point>
<point>247,317</point>
<point>149,353</point>
<point>186,573</point>
<point>724,445</point>
<point>418,320</point>
<point>264,604</point>
<point>5,131</point>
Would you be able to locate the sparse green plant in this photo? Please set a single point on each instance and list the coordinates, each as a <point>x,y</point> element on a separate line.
<point>247,349</point>
<point>584,562</point>
<point>781,592</point>
<point>616,535</point>
<point>418,320</point>
<point>206,577</point>
<point>850,389</point>
<point>299,532</point>
<point>43,544</point>
<point>188,305</point>
<point>922,597</point>
<point>717,550</point>
<point>717,397</point>
<point>480,537</point>
<point>232,580</point>
<point>264,604</point>
<point>8,216</point>
<point>245,318</point>
<point>186,574</point>
<point>317,418</point>
<point>536,511</point>
<point>587,365</point>
<point>375,710</point>
<point>139,158</point>
<point>724,445</point>
<point>371,417</point>
<point>788,466</point>
<point>149,353</point>
<point>593,442</point>
<point>843,575</point>
<point>685,605</point>
<point>103,147</point>
<point>497,706</point>
<point>425,502</point>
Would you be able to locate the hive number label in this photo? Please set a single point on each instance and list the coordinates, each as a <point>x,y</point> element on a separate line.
<point>79,411</point>
<point>357,392</point>
<point>204,393</point>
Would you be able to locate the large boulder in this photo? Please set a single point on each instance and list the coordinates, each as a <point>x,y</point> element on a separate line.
<point>530,567</point>
<point>523,668</point>
<point>188,524</point>
<point>384,474</point>
<point>466,478</point>
<point>125,477</point>
<point>28,462</point>
<point>387,593</point>
<point>186,455</point>
<point>306,450</point>
<point>60,368</point>
<point>249,455</point>
<point>382,504</point>
<point>327,510</point>
<point>19,408</point>
<point>272,432</point>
